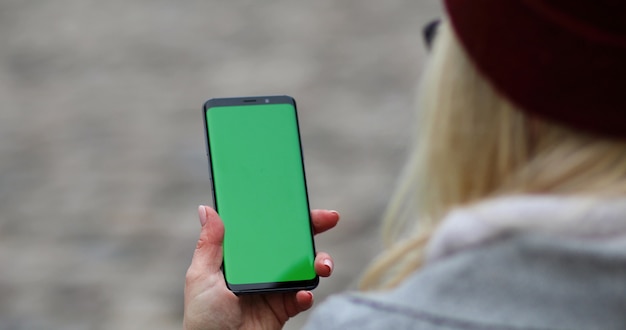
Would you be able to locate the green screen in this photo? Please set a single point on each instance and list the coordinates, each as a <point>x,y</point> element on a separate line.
<point>260,193</point>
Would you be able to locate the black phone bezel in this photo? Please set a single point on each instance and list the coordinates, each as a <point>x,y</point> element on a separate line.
<point>253,288</point>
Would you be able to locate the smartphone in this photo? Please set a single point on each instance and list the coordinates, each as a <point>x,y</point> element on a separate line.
<point>259,190</point>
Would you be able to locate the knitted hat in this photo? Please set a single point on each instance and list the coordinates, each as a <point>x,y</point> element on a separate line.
<point>563,60</point>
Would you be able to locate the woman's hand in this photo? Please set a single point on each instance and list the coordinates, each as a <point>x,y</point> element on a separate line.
<point>210,305</point>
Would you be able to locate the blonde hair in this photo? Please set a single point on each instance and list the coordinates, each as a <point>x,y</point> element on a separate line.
<point>474,144</point>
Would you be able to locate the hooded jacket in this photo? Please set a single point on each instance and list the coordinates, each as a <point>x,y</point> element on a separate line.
<point>513,263</point>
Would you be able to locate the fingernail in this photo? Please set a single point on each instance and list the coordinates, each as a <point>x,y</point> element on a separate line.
<point>335,213</point>
<point>202,215</point>
<point>328,263</point>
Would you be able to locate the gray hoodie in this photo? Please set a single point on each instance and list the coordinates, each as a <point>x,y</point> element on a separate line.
<point>525,262</point>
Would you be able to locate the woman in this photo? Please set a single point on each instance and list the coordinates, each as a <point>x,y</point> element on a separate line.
<point>512,212</point>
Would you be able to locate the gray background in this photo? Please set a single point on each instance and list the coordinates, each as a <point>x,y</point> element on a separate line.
<point>101,140</point>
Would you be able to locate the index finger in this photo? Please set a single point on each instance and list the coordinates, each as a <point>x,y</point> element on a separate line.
<point>323,220</point>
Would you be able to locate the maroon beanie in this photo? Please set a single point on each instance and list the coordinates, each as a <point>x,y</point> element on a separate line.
<point>563,60</point>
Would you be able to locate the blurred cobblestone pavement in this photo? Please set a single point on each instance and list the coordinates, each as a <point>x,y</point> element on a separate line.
<point>102,153</point>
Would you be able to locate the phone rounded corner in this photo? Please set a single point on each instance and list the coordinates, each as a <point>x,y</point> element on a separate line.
<point>288,99</point>
<point>208,104</point>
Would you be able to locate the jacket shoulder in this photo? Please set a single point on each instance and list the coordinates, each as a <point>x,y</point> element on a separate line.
<point>518,282</point>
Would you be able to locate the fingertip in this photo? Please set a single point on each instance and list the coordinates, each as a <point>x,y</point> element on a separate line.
<point>304,300</point>
<point>324,264</point>
<point>324,220</point>
<point>202,215</point>
<point>328,263</point>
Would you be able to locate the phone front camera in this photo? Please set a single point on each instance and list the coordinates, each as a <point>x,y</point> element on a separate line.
<point>267,100</point>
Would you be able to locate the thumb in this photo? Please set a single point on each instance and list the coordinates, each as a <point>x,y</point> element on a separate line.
<point>207,258</point>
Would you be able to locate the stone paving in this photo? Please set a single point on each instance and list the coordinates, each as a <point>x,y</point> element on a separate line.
<point>101,140</point>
